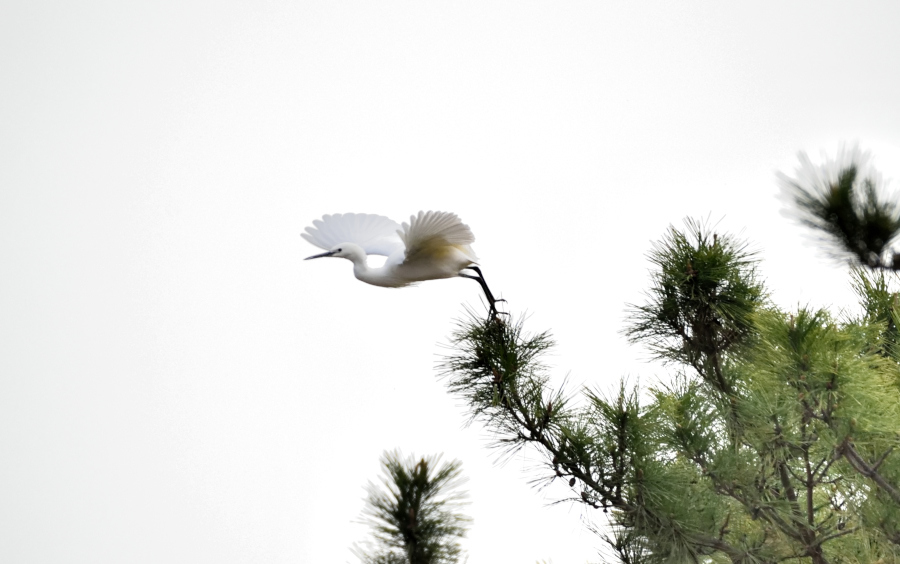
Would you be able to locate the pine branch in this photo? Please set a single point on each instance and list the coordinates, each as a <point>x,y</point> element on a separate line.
<point>869,471</point>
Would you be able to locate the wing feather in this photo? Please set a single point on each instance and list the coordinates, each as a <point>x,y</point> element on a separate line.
<point>376,234</point>
<point>429,230</point>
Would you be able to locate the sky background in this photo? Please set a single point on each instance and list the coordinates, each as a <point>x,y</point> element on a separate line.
<point>178,385</point>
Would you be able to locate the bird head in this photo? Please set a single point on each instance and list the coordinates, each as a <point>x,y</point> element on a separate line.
<point>343,250</point>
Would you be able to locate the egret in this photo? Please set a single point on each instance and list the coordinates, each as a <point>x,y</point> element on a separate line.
<point>433,245</point>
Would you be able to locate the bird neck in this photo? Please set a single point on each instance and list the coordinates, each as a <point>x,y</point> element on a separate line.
<point>358,257</point>
<point>360,268</point>
<point>377,275</point>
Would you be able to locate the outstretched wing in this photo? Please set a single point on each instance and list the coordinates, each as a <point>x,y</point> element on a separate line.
<point>428,231</point>
<point>376,234</point>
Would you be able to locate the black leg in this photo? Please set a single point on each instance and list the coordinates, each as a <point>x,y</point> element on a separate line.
<point>482,281</point>
<point>487,292</point>
<point>476,269</point>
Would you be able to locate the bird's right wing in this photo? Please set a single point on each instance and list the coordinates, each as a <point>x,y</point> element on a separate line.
<point>376,234</point>
<point>427,231</point>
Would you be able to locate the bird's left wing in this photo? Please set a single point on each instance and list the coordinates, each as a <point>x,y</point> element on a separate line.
<point>429,230</point>
<point>376,234</point>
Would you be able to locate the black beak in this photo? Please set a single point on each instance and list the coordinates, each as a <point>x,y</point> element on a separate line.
<point>328,254</point>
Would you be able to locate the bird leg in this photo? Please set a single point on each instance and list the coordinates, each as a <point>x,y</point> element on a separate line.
<point>487,292</point>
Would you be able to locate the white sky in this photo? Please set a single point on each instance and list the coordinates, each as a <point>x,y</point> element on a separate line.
<point>177,385</point>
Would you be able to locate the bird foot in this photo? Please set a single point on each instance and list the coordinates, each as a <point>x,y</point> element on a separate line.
<point>494,313</point>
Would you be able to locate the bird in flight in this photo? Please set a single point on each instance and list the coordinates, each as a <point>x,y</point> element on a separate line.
<point>431,246</point>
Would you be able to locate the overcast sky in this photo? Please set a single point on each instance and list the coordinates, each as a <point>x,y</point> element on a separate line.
<point>177,385</point>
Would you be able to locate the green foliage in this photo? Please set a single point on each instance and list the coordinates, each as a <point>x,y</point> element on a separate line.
<point>775,439</point>
<point>702,294</point>
<point>497,366</point>
<point>414,513</point>
<point>881,309</point>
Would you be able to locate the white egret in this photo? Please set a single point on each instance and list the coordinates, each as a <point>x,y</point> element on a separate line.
<point>431,246</point>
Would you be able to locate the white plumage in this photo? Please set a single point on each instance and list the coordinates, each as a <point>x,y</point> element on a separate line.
<point>432,245</point>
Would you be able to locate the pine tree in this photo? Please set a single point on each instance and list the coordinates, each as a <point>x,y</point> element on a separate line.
<point>775,438</point>
<point>414,513</point>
